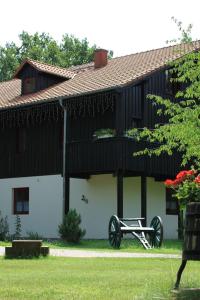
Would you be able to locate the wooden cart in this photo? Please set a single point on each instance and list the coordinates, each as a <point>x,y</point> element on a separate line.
<point>149,237</point>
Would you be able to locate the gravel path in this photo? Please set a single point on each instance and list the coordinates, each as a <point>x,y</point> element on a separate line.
<point>2,251</point>
<point>89,253</point>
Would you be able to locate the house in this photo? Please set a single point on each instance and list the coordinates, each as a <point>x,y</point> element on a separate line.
<point>51,160</point>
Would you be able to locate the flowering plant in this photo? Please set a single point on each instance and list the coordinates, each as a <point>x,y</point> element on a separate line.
<point>186,187</point>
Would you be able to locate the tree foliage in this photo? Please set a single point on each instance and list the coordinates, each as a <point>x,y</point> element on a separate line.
<point>70,51</point>
<point>182,132</point>
<point>185,33</point>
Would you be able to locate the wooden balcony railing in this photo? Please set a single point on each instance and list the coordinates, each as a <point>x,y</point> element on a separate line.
<point>107,155</point>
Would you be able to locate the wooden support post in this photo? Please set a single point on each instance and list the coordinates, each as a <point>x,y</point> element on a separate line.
<point>66,178</point>
<point>144,199</point>
<point>66,162</point>
<point>120,195</point>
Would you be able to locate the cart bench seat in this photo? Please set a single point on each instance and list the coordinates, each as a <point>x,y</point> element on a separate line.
<point>131,219</point>
<point>148,236</point>
<point>136,229</point>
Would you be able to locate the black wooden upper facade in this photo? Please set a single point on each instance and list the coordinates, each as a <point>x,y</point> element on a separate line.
<point>32,136</point>
<point>33,80</point>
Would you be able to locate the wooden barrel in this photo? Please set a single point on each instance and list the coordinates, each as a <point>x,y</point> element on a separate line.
<point>191,245</point>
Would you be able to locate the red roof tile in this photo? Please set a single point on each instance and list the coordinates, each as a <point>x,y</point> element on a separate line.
<point>43,67</point>
<point>118,72</point>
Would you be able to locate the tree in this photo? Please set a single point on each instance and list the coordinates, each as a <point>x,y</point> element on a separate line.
<point>70,51</point>
<point>182,132</point>
<point>185,33</point>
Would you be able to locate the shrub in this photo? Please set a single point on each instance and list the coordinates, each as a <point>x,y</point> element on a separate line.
<point>69,230</point>
<point>33,236</point>
<point>4,228</point>
<point>18,228</point>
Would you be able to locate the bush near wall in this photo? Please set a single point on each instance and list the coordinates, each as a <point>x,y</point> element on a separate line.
<point>70,229</point>
<point>4,228</point>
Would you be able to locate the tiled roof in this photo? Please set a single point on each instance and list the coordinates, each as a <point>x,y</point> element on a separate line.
<point>118,72</point>
<point>9,90</point>
<point>43,67</point>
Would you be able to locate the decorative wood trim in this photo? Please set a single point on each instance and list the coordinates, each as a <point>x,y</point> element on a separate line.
<point>144,199</point>
<point>90,105</point>
<point>30,115</point>
<point>120,195</point>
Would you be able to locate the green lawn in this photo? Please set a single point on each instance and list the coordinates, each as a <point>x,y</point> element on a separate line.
<point>130,245</point>
<point>95,278</point>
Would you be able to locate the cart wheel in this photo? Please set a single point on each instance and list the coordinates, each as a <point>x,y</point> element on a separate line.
<point>114,232</point>
<point>156,237</point>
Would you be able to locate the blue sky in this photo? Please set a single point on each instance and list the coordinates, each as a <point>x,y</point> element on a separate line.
<point>125,27</point>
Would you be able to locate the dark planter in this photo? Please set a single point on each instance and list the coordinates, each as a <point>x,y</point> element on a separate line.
<point>191,245</point>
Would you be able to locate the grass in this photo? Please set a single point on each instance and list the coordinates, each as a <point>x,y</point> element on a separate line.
<point>95,278</point>
<point>127,245</point>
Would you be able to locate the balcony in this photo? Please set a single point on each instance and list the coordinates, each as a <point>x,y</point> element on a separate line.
<point>107,155</point>
<point>95,157</point>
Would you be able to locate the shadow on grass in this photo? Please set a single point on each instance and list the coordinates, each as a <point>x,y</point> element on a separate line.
<point>187,294</point>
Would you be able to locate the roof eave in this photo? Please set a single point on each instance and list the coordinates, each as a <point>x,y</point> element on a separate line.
<point>27,61</point>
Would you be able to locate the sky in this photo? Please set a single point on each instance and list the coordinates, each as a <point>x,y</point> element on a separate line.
<point>124,26</point>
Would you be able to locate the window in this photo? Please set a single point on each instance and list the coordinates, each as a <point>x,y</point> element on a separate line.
<point>21,201</point>
<point>171,203</point>
<point>29,85</point>
<point>21,140</point>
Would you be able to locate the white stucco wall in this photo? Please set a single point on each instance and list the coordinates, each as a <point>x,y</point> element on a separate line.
<point>156,205</point>
<point>101,194</point>
<point>132,197</point>
<point>45,203</point>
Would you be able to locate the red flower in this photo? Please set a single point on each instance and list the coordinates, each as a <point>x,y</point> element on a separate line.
<point>173,183</point>
<point>169,182</point>
<point>182,174</point>
<point>177,181</point>
<point>197,179</point>
<point>180,177</point>
<point>191,172</point>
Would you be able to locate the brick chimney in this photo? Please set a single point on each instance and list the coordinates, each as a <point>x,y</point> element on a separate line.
<point>100,58</point>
